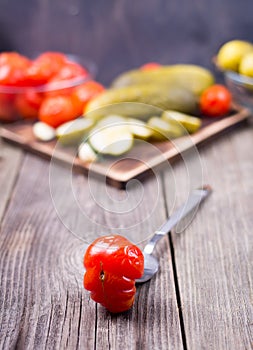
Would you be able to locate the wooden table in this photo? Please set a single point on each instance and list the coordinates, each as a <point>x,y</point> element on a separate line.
<point>201,297</point>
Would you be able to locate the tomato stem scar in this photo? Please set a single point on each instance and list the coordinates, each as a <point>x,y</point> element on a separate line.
<point>102,273</point>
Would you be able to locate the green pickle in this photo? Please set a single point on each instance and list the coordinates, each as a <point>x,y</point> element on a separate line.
<point>112,140</point>
<point>187,76</point>
<point>73,132</point>
<point>112,119</point>
<point>190,123</point>
<point>139,129</point>
<point>160,96</point>
<point>164,130</point>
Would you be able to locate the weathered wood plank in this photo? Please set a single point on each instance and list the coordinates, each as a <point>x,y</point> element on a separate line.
<point>214,254</point>
<point>10,160</point>
<point>41,271</point>
<point>43,304</point>
<point>153,322</point>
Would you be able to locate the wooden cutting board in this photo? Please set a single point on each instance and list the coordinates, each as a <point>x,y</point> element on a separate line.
<point>143,159</point>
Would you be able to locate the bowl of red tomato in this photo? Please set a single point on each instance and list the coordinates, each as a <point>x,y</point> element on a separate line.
<point>53,87</point>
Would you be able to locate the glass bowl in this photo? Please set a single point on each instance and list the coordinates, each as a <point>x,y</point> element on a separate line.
<point>24,102</point>
<point>241,88</point>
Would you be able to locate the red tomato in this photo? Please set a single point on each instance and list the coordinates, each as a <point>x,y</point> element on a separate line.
<point>112,264</point>
<point>44,67</point>
<point>85,92</point>
<point>150,66</point>
<point>57,110</point>
<point>12,69</point>
<point>28,104</point>
<point>68,71</point>
<point>215,101</point>
<point>7,110</point>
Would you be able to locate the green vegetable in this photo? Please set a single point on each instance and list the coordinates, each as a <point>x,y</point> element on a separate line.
<point>112,140</point>
<point>160,96</point>
<point>139,129</point>
<point>73,132</point>
<point>190,77</point>
<point>163,130</point>
<point>190,123</point>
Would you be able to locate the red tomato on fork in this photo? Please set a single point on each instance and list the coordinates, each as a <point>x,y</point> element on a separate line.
<point>112,264</point>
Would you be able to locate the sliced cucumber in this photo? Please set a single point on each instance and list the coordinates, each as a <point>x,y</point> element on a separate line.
<point>113,140</point>
<point>112,119</point>
<point>162,130</point>
<point>73,132</point>
<point>86,153</point>
<point>139,129</point>
<point>191,124</point>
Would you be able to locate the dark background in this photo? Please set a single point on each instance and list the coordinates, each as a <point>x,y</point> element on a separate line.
<point>122,34</point>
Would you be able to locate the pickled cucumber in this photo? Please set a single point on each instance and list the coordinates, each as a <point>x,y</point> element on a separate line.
<point>112,140</point>
<point>125,109</point>
<point>160,96</point>
<point>73,132</point>
<point>190,123</point>
<point>191,77</point>
<point>163,130</point>
<point>112,119</point>
<point>139,129</point>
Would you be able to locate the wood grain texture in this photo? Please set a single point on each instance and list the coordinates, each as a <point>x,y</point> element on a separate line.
<point>10,161</point>
<point>214,253</point>
<point>42,303</point>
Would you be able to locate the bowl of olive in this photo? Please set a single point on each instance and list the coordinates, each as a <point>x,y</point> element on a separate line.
<point>235,60</point>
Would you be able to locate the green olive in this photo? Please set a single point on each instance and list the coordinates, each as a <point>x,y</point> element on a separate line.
<point>231,53</point>
<point>246,65</point>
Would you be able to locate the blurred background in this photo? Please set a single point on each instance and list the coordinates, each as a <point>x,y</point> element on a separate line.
<point>122,34</point>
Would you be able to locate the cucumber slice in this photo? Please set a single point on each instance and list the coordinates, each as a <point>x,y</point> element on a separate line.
<point>113,140</point>
<point>86,153</point>
<point>73,132</point>
<point>139,129</point>
<point>162,130</point>
<point>111,120</point>
<point>191,124</point>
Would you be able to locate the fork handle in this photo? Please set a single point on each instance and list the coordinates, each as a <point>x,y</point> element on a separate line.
<point>193,201</point>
